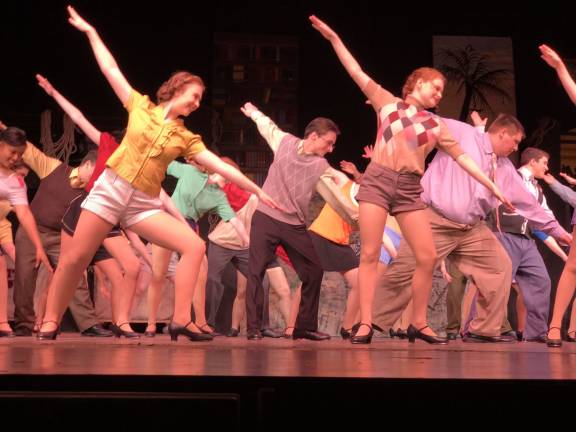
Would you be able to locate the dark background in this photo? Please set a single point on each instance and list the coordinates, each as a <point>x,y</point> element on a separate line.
<point>152,39</point>
<point>151,42</point>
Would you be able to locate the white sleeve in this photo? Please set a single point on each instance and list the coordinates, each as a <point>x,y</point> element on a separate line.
<point>13,188</point>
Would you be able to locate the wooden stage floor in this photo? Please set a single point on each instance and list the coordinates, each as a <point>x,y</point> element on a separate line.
<point>72,354</point>
<point>278,384</point>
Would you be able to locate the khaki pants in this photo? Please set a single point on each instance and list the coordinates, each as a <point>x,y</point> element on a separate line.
<point>475,251</point>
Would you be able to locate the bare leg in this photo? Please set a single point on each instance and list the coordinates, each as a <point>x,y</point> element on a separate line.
<point>4,295</point>
<point>122,290</point>
<point>294,310</point>
<point>520,310</point>
<point>41,295</point>
<point>279,283</point>
<point>352,304</point>
<point>165,231</point>
<point>200,297</point>
<point>112,271</point>
<point>418,234</point>
<point>564,292</point>
<point>160,262</point>
<point>239,307</point>
<point>90,232</point>
<point>372,222</point>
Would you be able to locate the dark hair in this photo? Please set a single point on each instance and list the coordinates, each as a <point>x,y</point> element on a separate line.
<point>13,137</point>
<point>508,122</point>
<point>118,135</point>
<point>532,153</point>
<point>175,83</point>
<point>90,157</point>
<point>321,125</point>
<point>426,74</point>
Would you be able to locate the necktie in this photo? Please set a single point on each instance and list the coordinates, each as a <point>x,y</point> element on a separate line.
<point>494,164</point>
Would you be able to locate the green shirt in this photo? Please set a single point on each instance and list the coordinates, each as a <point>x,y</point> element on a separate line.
<point>194,196</point>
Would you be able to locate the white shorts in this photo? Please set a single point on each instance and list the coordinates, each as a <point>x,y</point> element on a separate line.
<point>116,201</point>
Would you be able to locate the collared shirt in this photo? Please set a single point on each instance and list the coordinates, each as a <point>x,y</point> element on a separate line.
<point>532,185</point>
<point>194,196</point>
<point>457,196</point>
<point>150,144</point>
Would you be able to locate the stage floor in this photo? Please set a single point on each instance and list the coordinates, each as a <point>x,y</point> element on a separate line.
<point>72,354</point>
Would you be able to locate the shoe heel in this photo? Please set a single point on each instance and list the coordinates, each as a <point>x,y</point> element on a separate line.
<point>411,334</point>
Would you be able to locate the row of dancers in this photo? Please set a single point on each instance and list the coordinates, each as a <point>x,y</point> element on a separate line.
<point>470,205</point>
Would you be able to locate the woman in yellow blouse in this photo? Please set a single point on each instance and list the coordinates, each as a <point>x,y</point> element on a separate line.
<point>127,191</point>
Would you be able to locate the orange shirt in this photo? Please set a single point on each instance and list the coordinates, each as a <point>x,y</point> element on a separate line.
<point>330,225</point>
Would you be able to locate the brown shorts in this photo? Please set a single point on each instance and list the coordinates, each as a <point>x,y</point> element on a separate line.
<point>396,192</point>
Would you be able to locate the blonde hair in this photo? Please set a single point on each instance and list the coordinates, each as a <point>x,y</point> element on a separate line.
<point>176,83</point>
<point>426,74</point>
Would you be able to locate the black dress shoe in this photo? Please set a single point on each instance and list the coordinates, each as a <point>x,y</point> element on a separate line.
<point>206,329</point>
<point>309,334</point>
<point>519,336</point>
<point>476,338</point>
<point>118,332</point>
<point>48,335</point>
<point>553,343</point>
<point>364,339</point>
<point>22,331</point>
<point>451,336</point>
<point>253,335</point>
<point>175,330</point>
<point>414,334</point>
<point>345,333</point>
<point>97,331</point>
<point>233,332</point>
<point>270,333</point>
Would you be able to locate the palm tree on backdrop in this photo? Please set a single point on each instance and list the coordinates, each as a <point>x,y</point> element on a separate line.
<point>471,71</point>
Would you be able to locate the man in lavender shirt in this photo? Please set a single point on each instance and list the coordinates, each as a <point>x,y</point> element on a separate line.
<point>458,207</point>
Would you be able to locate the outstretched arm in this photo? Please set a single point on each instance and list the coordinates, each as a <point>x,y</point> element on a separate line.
<point>107,64</point>
<point>377,99</point>
<point>553,59</point>
<point>267,128</point>
<point>215,164</point>
<point>74,113</point>
<point>468,164</point>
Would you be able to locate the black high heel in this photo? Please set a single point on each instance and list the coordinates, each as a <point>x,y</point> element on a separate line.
<point>569,338</point>
<point>118,332</point>
<point>150,333</point>
<point>206,329</point>
<point>366,339</point>
<point>553,343</point>
<point>175,330</point>
<point>7,333</point>
<point>345,333</point>
<point>48,335</point>
<point>414,334</point>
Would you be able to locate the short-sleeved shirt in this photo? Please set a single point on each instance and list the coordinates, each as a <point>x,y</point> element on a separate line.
<point>194,196</point>
<point>406,134</point>
<point>150,144</point>
<point>13,188</point>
